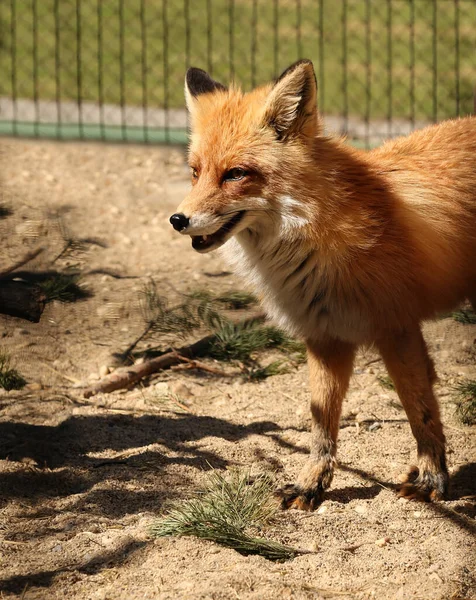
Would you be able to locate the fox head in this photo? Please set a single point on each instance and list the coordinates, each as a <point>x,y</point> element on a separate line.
<point>248,152</point>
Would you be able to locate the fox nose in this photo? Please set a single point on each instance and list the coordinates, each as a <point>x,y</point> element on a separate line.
<point>179,221</point>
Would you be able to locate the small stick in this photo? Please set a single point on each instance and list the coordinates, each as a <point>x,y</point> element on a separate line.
<point>127,376</point>
<point>288,396</point>
<point>372,361</point>
<point>67,377</point>
<point>179,404</point>
<point>354,546</point>
<point>196,364</point>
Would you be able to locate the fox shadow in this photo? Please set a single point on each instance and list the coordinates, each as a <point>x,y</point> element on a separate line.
<point>62,460</point>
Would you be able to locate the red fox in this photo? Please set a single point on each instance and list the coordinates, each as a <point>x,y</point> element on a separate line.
<point>345,247</point>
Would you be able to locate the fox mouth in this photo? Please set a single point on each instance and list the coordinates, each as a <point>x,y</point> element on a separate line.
<point>203,243</point>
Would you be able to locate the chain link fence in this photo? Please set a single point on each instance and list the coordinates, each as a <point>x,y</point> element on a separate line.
<point>114,69</point>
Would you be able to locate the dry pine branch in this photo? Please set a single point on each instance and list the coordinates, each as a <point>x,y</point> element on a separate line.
<point>128,376</point>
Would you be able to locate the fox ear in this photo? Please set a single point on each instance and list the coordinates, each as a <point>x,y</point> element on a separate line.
<point>291,105</point>
<point>199,82</point>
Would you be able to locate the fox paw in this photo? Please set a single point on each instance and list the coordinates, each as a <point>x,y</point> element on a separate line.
<point>425,486</point>
<point>294,496</point>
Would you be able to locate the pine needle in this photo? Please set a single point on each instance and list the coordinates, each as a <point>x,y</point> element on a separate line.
<point>181,320</point>
<point>257,373</point>
<point>237,299</point>
<point>226,512</point>
<point>238,342</point>
<point>386,382</point>
<point>10,379</point>
<point>233,341</point>
<point>63,287</point>
<point>466,317</point>
<point>466,404</point>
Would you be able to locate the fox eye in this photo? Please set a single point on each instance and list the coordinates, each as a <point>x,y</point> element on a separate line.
<point>234,175</point>
<point>194,173</point>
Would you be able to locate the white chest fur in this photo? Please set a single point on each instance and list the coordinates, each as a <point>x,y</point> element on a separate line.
<point>288,279</point>
<point>293,283</point>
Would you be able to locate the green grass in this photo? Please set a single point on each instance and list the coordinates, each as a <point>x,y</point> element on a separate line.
<point>466,402</point>
<point>381,89</point>
<point>10,379</point>
<point>229,511</point>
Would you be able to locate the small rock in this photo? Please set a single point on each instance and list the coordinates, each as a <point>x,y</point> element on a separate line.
<point>314,547</point>
<point>162,388</point>
<point>57,548</point>
<point>382,542</point>
<point>104,370</point>
<point>361,509</point>
<point>417,514</point>
<point>321,510</point>
<point>436,578</point>
<point>375,426</point>
<point>34,386</point>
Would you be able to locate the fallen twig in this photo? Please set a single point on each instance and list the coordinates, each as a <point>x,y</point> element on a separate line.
<point>128,376</point>
<point>196,364</point>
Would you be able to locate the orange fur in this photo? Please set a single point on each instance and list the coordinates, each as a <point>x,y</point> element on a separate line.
<point>346,247</point>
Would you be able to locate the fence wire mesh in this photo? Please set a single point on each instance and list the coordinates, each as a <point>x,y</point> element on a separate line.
<point>114,69</point>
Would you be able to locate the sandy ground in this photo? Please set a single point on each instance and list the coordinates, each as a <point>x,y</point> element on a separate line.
<point>82,480</point>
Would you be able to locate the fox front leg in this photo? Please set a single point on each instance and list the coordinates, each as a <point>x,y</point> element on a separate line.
<point>330,368</point>
<point>411,369</point>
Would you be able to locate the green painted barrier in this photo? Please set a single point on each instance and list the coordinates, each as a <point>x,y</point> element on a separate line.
<point>106,133</point>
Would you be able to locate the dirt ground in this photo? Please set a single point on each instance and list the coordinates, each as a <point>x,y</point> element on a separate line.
<point>81,481</point>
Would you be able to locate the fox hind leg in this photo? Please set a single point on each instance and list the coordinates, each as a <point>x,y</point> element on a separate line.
<point>411,368</point>
<point>330,368</point>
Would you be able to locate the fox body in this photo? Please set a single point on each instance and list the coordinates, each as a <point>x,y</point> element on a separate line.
<point>345,248</point>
